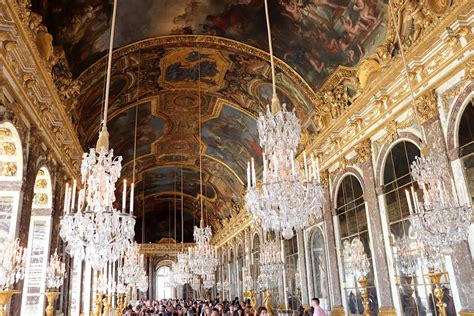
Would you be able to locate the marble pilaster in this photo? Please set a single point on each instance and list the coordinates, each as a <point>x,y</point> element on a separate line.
<point>334,281</point>
<point>382,278</point>
<point>302,267</point>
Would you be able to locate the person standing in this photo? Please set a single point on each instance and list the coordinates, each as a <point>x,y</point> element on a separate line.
<point>317,310</point>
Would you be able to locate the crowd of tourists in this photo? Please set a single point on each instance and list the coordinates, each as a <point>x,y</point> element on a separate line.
<point>179,307</point>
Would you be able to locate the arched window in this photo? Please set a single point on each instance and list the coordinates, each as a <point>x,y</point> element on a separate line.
<point>352,218</point>
<point>11,173</point>
<point>318,267</point>
<point>162,290</point>
<point>38,245</point>
<point>466,146</point>
<point>415,292</point>
<point>255,257</point>
<point>291,264</point>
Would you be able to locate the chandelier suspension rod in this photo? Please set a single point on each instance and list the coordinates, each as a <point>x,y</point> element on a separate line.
<point>136,121</point>
<point>182,208</point>
<point>109,65</point>
<point>405,68</point>
<point>175,203</point>
<point>270,46</point>
<point>201,223</point>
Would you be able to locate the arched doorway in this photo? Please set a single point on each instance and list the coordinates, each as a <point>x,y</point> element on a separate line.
<point>38,245</point>
<point>162,290</point>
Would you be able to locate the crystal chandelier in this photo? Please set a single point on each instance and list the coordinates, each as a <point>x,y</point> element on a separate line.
<point>407,258</point>
<point>441,220</point>
<point>196,283</point>
<point>412,254</point>
<point>95,230</point>
<point>55,272</point>
<point>203,259</point>
<point>271,264</point>
<point>288,195</point>
<point>356,261</point>
<point>132,272</point>
<point>182,273</point>
<point>12,263</point>
<point>209,281</point>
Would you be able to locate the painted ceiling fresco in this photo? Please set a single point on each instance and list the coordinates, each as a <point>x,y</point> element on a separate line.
<point>213,69</point>
<point>312,36</point>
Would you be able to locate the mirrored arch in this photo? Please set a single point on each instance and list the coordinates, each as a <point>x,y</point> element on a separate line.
<point>11,176</point>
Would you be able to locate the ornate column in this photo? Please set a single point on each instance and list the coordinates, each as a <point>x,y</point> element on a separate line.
<point>380,266</point>
<point>334,282</point>
<point>460,271</point>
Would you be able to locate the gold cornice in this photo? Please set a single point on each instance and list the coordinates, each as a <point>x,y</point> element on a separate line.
<point>163,248</point>
<point>391,70</point>
<point>384,80</point>
<point>56,123</point>
<point>232,228</point>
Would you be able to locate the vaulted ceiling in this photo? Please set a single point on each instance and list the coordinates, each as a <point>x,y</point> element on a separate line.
<point>161,46</point>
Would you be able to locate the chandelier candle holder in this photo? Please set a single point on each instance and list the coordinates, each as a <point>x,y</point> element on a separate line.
<point>12,270</point>
<point>440,219</point>
<point>288,195</point>
<point>271,264</point>
<point>358,265</point>
<point>54,280</point>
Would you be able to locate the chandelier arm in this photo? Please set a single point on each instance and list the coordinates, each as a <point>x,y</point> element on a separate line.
<point>405,68</point>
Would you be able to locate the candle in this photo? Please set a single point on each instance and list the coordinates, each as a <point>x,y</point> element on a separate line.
<point>292,163</point>
<point>305,165</point>
<point>124,196</point>
<point>453,188</point>
<point>65,199</point>
<point>313,164</point>
<point>73,195</point>
<point>68,206</point>
<point>264,168</point>
<point>254,178</point>
<point>409,202</point>
<point>248,175</point>
<point>414,200</point>
<point>317,170</point>
<point>132,196</point>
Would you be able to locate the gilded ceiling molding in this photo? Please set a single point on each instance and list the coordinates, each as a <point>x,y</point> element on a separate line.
<point>27,56</point>
<point>377,102</point>
<point>427,106</point>
<point>202,40</point>
<point>232,227</point>
<point>164,246</point>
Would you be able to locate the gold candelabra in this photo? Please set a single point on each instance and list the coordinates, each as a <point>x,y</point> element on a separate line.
<point>365,295</point>
<point>51,296</point>
<point>98,304</point>
<point>267,301</point>
<point>438,292</point>
<point>5,297</point>
<point>107,304</point>
<point>253,298</point>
